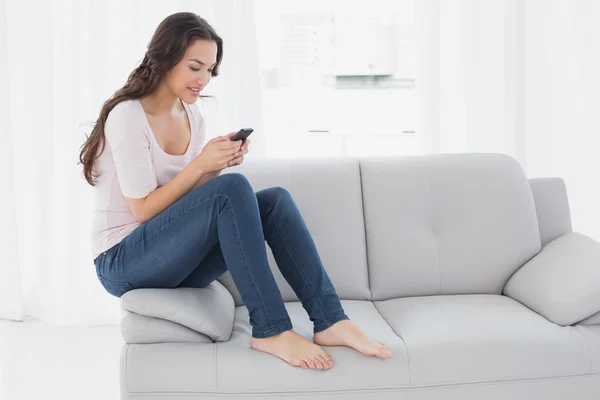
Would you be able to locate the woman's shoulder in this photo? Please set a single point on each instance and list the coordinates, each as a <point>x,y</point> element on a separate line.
<point>125,113</point>
<point>126,108</point>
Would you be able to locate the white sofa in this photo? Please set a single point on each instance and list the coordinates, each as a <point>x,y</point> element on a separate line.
<point>468,271</point>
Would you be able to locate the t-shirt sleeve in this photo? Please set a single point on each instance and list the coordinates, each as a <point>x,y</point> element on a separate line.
<point>125,135</point>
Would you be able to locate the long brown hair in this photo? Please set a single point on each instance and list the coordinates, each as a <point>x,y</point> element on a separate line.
<point>167,47</point>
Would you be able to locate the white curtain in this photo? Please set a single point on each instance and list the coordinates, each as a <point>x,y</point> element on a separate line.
<point>59,61</point>
<point>520,78</point>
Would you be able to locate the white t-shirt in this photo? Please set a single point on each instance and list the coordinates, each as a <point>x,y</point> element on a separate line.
<point>133,165</point>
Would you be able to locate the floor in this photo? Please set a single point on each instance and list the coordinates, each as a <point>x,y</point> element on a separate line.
<point>45,362</point>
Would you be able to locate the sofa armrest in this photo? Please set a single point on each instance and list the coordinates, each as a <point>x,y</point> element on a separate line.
<point>209,310</point>
<point>562,282</point>
<point>552,207</point>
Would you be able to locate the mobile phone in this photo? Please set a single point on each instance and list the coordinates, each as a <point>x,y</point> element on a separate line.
<point>242,134</point>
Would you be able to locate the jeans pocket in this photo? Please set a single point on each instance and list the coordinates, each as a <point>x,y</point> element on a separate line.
<point>117,289</point>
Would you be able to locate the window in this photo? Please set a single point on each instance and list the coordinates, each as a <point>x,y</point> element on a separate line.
<point>338,77</point>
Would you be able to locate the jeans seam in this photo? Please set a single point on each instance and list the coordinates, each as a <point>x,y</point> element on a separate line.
<point>252,278</point>
<point>275,330</point>
<point>284,239</point>
<point>111,281</point>
<point>331,321</point>
<point>268,212</point>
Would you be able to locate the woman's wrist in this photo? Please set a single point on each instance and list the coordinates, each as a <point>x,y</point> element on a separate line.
<point>197,168</point>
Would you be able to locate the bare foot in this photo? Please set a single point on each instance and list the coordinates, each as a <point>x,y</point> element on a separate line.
<point>294,349</point>
<point>346,333</point>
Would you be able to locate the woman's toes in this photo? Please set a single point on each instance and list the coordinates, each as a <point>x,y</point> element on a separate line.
<point>303,364</point>
<point>328,361</point>
<point>384,352</point>
<point>323,361</point>
<point>317,362</point>
<point>310,363</point>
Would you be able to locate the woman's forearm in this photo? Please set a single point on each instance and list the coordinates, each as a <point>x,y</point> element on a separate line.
<point>157,201</point>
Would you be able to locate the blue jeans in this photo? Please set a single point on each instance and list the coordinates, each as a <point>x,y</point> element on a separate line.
<point>222,225</point>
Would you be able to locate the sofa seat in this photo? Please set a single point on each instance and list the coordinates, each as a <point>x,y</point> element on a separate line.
<point>236,368</point>
<point>463,339</point>
<point>459,344</point>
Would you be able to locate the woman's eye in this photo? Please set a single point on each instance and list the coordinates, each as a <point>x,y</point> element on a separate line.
<point>195,69</point>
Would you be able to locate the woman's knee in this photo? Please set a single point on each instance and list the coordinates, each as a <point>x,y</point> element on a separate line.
<point>234,182</point>
<point>234,179</point>
<point>267,197</point>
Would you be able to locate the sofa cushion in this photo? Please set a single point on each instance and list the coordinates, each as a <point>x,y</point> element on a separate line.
<point>562,282</point>
<point>328,195</point>
<point>242,370</point>
<point>482,338</point>
<point>174,369</point>
<point>208,310</point>
<point>137,328</point>
<point>446,223</point>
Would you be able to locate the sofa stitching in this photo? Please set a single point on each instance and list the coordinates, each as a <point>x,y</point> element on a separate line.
<point>437,244</point>
<point>217,367</point>
<point>362,205</point>
<point>169,320</point>
<point>401,338</point>
<point>169,317</point>
<point>126,318</point>
<point>587,347</point>
<point>403,389</point>
<point>126,381</point>
<point>170,335</point>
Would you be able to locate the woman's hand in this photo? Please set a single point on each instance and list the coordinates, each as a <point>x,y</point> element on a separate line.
<point>217,154</point>
<point>239,158</point>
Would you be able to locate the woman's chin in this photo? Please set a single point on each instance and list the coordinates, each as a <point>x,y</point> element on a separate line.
<point>189,99</point>
<point>191,95</point>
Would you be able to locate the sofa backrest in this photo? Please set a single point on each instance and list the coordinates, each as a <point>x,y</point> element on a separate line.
<point>446,223</point>
<point>408,226</point>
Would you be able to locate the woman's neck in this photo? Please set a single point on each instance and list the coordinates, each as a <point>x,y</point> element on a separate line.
<point>162,102</point>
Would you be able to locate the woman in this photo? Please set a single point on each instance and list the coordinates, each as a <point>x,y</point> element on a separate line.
<point>164,218</point>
